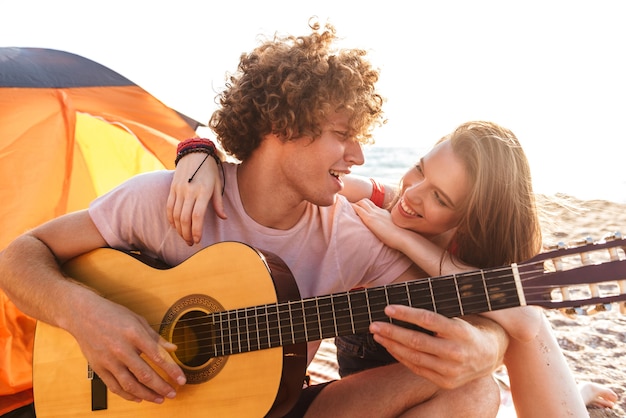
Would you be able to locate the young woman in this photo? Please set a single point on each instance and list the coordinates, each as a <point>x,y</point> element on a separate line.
<point>468,203</point>
<point>472,195</point>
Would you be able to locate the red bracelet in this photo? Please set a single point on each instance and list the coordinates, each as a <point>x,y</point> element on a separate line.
<point>194,142</point>
<point>200,145</point>
<point>195,145</point>
<point>378,193</point>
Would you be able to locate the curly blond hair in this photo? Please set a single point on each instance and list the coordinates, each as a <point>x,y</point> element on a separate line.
<point>290,85</point>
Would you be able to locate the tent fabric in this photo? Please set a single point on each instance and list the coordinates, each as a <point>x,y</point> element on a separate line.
<point>70,130</point>
<point>49,68</point>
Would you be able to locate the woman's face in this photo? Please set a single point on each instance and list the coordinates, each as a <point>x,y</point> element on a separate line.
<point>431,193</point>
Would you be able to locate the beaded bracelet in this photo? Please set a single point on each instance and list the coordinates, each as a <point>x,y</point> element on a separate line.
<point>199,145</point>
<point>378,193</point>
<point>195,145</point>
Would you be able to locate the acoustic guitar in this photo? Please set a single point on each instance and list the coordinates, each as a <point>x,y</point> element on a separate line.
<point>241,327</point>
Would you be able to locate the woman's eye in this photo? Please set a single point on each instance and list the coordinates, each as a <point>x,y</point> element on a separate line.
<point>440,200</point>
<point>419,169</point>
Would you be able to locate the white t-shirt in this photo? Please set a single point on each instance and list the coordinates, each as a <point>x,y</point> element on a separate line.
<point>329,250</point>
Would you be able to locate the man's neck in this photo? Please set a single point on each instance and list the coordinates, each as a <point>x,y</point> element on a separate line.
<point>265,197</point>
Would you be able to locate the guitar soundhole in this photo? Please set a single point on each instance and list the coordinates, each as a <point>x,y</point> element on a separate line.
<point>188,325</point>
<point>192,334</point>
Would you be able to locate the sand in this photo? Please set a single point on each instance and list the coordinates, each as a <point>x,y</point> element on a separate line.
<point>594,345</point>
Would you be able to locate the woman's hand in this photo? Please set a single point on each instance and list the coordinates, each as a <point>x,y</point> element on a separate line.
<point>188,200</point>
<point>379,222</point>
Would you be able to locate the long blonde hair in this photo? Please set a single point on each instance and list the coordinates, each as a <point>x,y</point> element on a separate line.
<point>500,222</point>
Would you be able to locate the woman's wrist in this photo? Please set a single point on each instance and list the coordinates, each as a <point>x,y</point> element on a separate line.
<point>196,145</point>
<point>203,145</point>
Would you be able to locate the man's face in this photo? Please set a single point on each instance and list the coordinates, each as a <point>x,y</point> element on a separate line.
<point>315,168</point>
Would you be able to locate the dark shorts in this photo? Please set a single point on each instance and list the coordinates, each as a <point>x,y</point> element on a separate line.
<point>359,352</point>
<point>355,353</point>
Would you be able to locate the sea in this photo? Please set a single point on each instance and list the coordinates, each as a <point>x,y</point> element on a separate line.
<point>600,182</point>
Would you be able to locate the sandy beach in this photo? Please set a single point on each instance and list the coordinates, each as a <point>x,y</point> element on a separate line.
<point>594,345</point>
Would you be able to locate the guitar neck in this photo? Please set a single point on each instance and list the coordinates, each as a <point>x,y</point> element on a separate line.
<point>293,322</point>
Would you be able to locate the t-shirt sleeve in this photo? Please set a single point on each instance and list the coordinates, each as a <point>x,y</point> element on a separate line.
<point>133,215</point>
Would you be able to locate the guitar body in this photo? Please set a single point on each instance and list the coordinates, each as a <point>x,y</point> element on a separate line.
<point>229,275</point>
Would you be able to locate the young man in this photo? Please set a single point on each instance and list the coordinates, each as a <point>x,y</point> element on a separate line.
<point>295,115</point>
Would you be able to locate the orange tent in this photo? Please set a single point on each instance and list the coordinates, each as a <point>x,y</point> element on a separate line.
<point>70,130</point>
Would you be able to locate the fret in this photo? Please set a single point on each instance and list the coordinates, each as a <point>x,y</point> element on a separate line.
<point>273,328</point>
<point>445,296</point>
<point>482,276</point>
<point>397,294</point>
<point>350,312</point>
<point>205,332</point>
<point>291,325</point>
<point>387,303</point>
<point>304,324</point>
<point>297,322</point>
<point>232,328</point>
<point>258,317</point>
<point>432,295</point>
<point>217,321</point>
<point>221,349</point>
<point>408,294</point>
<point>241,324</point>
<point>286,335</point>
<point>377,298</point>
<point>326,315</point>
<point>501,288</point>
<point>251,329</point>
<point>343,316</point>
<point>472,295</point>
<point>263,329</point>
<point>312,320</point>
<point>421,294</point>
<point>217,333</point>
<point>242,329</point>
<point>458,294</point>
<point>360,310</point>
<point>332,308</point>
<point>369,307</point>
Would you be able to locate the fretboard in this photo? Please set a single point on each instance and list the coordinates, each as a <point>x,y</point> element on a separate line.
<point>273,325</point>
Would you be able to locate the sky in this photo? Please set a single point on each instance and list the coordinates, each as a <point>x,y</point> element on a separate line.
<point>554,72</point>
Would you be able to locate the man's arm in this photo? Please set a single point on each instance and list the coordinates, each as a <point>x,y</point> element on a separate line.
<point>111,336</point>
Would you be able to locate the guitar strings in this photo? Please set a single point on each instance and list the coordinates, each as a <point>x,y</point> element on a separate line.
<point>236,333</point>
<point>239,339</point>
